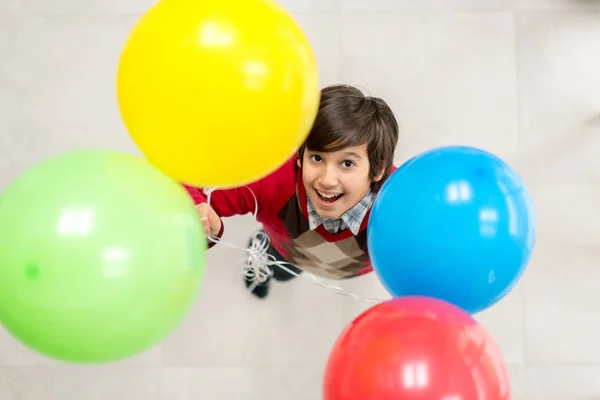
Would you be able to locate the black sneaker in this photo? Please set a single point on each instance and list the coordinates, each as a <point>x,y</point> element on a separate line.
<point>260,290</point>
<point>281,275</point>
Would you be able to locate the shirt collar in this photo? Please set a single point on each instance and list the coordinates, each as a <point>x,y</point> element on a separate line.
<point>351,219</point>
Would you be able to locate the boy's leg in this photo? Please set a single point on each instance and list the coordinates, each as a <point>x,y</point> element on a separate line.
<point>279,274</point>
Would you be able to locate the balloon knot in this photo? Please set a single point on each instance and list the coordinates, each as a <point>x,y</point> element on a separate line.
<point>257,266</point>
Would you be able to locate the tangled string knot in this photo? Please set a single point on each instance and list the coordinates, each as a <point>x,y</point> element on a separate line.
<point>257,268</point>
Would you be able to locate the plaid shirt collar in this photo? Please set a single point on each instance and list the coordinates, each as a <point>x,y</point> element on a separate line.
<point>351,219</point>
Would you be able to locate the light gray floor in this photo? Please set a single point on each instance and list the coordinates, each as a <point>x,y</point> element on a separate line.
<point>520,78</point>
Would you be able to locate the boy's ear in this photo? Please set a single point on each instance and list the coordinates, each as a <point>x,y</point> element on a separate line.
<point>298,162</point>
<point>379,176</point>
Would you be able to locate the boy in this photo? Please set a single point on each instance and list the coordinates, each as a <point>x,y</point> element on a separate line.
<point>315,207</point>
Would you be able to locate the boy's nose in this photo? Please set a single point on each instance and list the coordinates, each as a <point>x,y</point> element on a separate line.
<point>328,179</point>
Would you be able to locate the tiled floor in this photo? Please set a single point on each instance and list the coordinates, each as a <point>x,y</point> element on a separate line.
<point>517,77</point>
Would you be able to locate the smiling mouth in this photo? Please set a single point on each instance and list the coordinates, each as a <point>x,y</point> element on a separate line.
<point>328,198</point>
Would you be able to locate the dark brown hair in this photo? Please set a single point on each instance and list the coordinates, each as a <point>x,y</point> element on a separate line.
<point>346,118</point>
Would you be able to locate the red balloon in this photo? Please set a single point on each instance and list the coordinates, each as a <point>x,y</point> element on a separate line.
<point>415,348</point>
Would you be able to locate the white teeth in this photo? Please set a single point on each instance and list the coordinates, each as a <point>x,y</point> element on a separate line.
<point>329,196</point>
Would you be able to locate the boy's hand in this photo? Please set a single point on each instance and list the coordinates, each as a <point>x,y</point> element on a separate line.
<point>212,222</point>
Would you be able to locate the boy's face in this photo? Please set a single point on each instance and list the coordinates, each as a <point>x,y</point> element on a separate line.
<point>336,181</point>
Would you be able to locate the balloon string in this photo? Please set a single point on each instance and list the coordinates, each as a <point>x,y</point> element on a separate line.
<point>257,265</point>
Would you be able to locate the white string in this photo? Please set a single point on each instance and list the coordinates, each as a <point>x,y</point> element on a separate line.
<point>257,264</point>
<point>208,192</point>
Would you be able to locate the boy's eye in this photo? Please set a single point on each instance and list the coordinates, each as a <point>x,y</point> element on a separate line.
<point>316,158</point>
<point>348,164</point>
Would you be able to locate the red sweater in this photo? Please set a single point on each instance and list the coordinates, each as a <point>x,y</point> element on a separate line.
<point>281,200</point>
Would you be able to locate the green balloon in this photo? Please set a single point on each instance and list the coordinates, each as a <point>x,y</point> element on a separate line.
<point>101,256</point>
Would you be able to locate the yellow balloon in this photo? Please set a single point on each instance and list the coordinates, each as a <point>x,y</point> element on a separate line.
<point>217,93</point>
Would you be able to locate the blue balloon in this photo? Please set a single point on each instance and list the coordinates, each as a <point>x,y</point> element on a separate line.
<point>454,223</point>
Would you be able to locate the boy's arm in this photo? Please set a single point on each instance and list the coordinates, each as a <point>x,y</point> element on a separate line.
<point>229,202</point>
